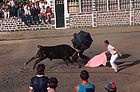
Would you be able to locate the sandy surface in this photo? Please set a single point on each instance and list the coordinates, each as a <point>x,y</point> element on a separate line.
<point>16,48</point>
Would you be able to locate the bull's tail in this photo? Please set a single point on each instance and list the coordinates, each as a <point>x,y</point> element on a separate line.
<point>39,46</point>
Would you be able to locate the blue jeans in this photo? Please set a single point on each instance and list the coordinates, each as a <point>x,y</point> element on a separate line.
<point>13,11</point>
<point>23,19</point>
<point>28,18</point>
<point>39,16</point>
<point>35,18</point>
<point>112,61</point>
<point>50,19</point>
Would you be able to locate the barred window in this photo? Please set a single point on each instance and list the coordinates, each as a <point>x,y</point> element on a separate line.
<point>86,5</point>
<point>101,5</point>
<point>136,4</point>
<point>124,4</point>
<point>113,4</point>
<point>73,6</point>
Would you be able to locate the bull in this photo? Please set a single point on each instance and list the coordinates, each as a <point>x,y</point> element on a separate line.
<point>55,52</point>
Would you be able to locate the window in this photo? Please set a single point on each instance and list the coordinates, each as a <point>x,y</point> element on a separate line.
<point>136,4</point>
<point>73,6</point>
<point>124,4</point>
<point>113,4</point>
<point>86,5</point>
<point>101,5</point>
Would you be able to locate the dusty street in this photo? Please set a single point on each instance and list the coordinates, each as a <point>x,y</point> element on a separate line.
<point>18,47</point>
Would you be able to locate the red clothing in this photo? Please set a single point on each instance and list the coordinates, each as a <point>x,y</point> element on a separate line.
<point>48,10</point>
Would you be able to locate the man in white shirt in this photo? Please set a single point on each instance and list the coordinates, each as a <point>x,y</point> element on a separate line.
<point>43,14</point>
<point>28,15</point>
<point>46,5</point>
<point>114,54</point>
<point>6,12</point>
<point>12,4</point>
<point>41,4</point>
<point>25,7</point>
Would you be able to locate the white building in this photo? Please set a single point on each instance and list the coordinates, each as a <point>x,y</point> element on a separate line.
<point>63,9</point>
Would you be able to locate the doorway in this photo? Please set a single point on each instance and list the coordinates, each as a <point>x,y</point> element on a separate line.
<point>59,9</point>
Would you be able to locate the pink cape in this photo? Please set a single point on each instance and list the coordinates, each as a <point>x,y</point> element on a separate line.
<point>97,60</point>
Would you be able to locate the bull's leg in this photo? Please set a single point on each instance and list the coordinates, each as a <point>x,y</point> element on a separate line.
<point>36,62</point>
<point>65,61</point>
<point>71,61</point>
<point>36,56</point>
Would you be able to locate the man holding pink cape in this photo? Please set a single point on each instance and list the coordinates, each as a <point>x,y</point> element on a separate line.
<point>102,59</point>
<point>114,54</point>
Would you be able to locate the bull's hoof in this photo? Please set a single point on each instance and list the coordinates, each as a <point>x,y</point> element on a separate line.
<point>25,64</point>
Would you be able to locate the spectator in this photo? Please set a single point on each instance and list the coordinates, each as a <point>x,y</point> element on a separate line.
<point>16,8</point>
<point>39,14</point>
<point>34,15</point>
<point>30,4</point>
<point>12,4</point>
<point>28,15</point>
<point>46,5</point>
<point>85,86</point>
<point>3,6</point>
<point>110,87</point>
<point>21,15</point>
<point>39,82</point>
<point>41,4</point>
<point>52,84</point>
<point>1,12</point>
<point>48,14</point>
<point>6,12</point>
<point>36,5</point>
<point>25,7</point>
<point>43,14</point>
<point>21,5</point>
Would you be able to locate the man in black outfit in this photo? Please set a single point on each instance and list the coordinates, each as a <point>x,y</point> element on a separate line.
<point>39,82</point>
<point>34,15</point>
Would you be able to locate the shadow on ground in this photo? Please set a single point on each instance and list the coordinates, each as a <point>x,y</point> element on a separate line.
<point>131,63</point>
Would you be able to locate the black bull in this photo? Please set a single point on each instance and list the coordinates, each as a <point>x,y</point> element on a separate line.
<point>55,52</point>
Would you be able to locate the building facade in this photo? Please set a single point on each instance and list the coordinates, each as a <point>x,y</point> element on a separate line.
<point>64,10</point>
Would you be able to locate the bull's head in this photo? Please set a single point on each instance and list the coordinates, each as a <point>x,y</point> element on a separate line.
<point>75,56</point>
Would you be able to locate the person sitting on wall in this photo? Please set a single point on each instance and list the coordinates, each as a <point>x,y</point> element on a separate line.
<point>28,15</point>
<point>49,14</point>
<point>6,12</point>
<point>34,15</point>
<point>43,14</point>
<point>21,15</point>
<point>1,12</point>
<point>12,4</point>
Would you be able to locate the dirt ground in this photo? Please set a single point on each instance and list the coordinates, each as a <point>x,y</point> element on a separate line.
<point>18,47</point>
